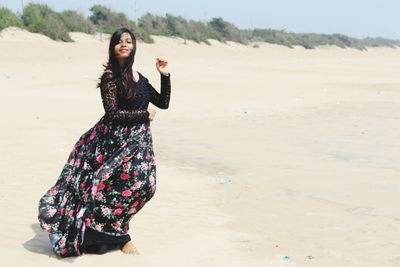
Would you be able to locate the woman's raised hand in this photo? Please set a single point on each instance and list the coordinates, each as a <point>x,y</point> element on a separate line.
<point>162,66</point>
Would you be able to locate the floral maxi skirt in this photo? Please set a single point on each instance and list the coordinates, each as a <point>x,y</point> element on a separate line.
<point>109,176</point>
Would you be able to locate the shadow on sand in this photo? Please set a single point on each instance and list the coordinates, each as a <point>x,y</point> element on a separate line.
<point>40,244</point>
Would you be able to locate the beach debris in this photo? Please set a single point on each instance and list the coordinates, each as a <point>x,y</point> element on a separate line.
<point>308,258</point>
<point>286,258</point>
<point>225,181</point>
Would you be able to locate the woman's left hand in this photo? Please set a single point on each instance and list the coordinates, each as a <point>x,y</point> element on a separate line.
<point>162,66</point>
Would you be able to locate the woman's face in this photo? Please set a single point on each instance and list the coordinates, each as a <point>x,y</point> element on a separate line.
<point>124,48</point>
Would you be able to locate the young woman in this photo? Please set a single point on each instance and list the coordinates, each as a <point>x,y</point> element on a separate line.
<point>110,173</point>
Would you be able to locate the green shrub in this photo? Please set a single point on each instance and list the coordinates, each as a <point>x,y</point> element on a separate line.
<point>106,20</point>
<point>154,25</point>
<point>7,19</point>
<point>41,19</point>
<point>140,33</point>
<point>75,22</point>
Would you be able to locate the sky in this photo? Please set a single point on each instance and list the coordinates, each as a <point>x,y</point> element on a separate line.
<point>356,18</point>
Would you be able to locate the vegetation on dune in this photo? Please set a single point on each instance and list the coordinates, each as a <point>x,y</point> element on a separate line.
<point>42,19</point>
<point>76,22</point>
<point>8,19</point>
<point>108,21</point>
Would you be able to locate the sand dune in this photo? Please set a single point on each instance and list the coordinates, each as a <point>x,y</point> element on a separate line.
<point>268,156</point>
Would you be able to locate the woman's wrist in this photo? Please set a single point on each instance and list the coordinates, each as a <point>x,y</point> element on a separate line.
<point>165,74</point>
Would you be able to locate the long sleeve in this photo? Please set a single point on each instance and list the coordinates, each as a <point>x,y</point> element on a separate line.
<point>109,97</point>
<point>161,100</point>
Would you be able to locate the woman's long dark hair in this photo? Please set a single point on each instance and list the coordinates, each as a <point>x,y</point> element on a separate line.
<point>123,75</point>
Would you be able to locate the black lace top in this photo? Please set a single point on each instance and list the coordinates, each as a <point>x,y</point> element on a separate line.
<point>134,109</point>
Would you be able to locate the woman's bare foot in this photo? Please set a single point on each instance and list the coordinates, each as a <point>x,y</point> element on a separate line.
<point>129,248</point>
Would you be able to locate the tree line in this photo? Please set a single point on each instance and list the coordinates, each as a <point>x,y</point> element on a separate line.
<point>40,18</point>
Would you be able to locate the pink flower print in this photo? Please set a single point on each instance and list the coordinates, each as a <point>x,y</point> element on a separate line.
<point>117,212</point>
<point>75,243</point>
<point>99,196</point>
<point>78,163</point>
<point>135,203</point>
<point>99,227</point>
<point>64,251</point>
<point>139,156</point>
<point>136,194</point>
<point>100,186</point>
<point>80,142</point>
<point>82,185</point>
<point>135,173</point>
<point>118,205</point>
<point>126,227</point>
<point>126,193</point>
<point>106,211</point>
<point>125,159</point>
<point>148,156</point>
<point>105,177</point>
<point>69,177</point>
<point>152,180</point>
<point>46,227</point>
<point>136,185</point>
<point>92,135</point>
<point>94,190</point>
<point>62,241</point>
<point>64,200</point>
<point>105,130</point>
<point>71,213</point>
<point>88,222</point>
<point>100,159</point>
<point>124,145</point>
<point>53,192</point>
<point>143,166</point>
<point>124,176</point>
<point>52,212</point>
<point>126,166</point>
<point>109,188</point>
<point>132,211</point>
<point>126,129</point>
<point>62,212</point>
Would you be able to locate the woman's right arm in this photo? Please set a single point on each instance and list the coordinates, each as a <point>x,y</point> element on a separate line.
<point>109,97</point>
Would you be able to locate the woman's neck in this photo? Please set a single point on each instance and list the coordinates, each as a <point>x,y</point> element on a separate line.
<point>121,62</point>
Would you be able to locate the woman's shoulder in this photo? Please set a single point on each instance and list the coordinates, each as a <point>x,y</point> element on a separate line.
<point>142,77</point>
<point>107,74</point>
<point>107,78</point>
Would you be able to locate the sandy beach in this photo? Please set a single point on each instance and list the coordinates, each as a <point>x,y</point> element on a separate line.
<point>267,156</point>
